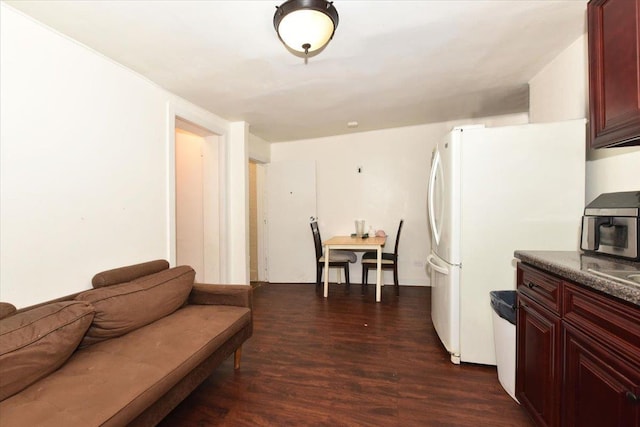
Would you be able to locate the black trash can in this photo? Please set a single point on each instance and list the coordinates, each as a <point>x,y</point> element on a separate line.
<point>504,304</point>
<point>504,338</point>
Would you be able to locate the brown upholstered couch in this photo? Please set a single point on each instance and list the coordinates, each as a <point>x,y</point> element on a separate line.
<point>124,353</point>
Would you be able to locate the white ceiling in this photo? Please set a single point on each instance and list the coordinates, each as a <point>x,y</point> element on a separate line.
<point>390,63</point>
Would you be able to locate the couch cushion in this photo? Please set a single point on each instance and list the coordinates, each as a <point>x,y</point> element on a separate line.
<point>112,382</point>
<point>123,308</point>
<point>6,309</point>
<point>128,273</point>
<point>36,342</point>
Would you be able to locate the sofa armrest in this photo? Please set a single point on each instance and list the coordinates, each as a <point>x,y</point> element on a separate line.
<point>208,294</point>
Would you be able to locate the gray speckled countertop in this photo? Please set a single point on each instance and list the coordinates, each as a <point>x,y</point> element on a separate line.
<point>575,266</point>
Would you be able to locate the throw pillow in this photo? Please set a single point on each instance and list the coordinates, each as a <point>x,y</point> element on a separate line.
<point>128,306</point>
<point>6,309</point>
<point>36,342</point>
<point>128,273</point>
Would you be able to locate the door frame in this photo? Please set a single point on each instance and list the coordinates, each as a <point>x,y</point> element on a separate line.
<point>263,244</point>
<point>218,131</point>
<point>261,219</point>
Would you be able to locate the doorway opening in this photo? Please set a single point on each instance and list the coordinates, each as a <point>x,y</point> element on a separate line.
<point>258,273</point>
<point>197,200</point>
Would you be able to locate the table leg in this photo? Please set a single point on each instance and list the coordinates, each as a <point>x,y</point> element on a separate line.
<point>379,274</point>
<point>326,271</point>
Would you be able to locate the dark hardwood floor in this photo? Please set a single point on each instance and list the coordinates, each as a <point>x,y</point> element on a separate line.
<point>346,361</point>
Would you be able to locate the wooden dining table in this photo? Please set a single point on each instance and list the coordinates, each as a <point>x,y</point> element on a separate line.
<point>354,243</point>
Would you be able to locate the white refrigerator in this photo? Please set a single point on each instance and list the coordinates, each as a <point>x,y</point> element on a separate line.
<point>493,191</point>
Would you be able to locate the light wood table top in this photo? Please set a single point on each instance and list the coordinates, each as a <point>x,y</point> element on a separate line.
<point>355,241</point>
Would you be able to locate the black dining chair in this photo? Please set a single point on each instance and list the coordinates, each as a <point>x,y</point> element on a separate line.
<point>337,258</point>
<point>389,262</point>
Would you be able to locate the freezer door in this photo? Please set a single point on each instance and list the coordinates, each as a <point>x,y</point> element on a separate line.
<point>445,304</point>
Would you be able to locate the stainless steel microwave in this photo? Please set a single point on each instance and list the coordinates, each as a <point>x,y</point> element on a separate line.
<point>611,223</point>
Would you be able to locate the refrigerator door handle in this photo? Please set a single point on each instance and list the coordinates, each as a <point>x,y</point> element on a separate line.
<point>432,264</point>
<point>432,183</point>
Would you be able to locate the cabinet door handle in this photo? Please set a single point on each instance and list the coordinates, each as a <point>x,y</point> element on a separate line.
<point>531,285</point>
<point>632,397</point>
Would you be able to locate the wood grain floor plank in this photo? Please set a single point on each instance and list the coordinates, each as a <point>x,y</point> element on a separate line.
<point>346,361</point>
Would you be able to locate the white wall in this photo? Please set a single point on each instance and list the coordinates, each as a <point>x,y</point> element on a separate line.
<point>85,159</point>
<point>613,169</point>
<point>392,185</point>
<point>259,149</point>
<point>558,92</point>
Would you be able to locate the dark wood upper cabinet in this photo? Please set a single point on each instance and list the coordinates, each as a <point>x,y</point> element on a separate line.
<point>614,72</point>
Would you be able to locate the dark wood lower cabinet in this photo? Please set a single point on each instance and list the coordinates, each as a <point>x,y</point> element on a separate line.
<point>600,388</point>
<point>538,369</point>
<point>578,355</point>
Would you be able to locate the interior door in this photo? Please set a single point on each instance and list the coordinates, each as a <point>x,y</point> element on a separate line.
<point>291,199</point>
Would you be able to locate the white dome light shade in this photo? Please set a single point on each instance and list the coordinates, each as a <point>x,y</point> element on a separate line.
<point>305,26</point>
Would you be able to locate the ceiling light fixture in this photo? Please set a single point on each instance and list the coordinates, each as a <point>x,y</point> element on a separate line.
<point>305,26</point>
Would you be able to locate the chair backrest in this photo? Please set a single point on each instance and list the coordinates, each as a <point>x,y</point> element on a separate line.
<point>395,251</point>
<point>316,239</point>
